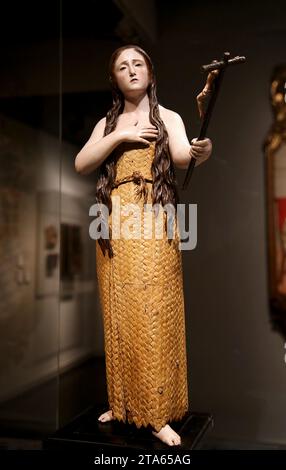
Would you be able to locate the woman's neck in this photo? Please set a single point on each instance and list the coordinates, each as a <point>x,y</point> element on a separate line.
<point>139,106</point>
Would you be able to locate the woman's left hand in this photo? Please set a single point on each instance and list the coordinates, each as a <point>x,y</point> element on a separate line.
<point>201,150</point>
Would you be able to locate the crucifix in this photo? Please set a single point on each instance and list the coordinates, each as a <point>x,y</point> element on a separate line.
<point>216,70</point>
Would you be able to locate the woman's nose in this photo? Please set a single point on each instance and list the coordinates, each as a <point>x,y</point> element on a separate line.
<point>132,70</point>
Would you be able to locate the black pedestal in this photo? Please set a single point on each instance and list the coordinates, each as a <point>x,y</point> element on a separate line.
<point>87,433</point>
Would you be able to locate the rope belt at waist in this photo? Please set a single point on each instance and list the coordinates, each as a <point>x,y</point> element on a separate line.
<point>138,179</point>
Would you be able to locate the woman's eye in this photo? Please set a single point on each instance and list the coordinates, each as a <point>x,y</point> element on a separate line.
<point>122,68</point>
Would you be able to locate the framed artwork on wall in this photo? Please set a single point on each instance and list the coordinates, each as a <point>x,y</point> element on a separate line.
<point>275,181</point>
<point>48,244</point>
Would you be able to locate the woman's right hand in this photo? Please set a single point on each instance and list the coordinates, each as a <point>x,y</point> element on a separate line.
<point>137,133</point>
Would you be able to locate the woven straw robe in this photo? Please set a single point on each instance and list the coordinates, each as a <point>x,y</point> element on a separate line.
<point>142,300</point>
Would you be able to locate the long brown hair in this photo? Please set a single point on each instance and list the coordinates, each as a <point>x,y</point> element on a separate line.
<point>164,186</point>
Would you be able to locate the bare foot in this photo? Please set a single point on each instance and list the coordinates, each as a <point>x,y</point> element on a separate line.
<point>168,435</point>
<point>107,416</point>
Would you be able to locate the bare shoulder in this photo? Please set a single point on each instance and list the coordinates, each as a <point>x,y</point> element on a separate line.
<point>98,130</point>
<point>168,116</point>
<point>101,123</point>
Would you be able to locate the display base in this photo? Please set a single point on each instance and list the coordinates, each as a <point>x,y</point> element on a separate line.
<point>87,433</point>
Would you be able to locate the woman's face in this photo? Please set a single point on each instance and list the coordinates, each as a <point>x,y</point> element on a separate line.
<point>129,65</point>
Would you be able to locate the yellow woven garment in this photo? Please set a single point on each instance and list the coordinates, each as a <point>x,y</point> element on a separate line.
<point>142,300</point>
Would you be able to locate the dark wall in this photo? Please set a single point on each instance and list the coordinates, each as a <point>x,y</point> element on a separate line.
<point>236,363</point>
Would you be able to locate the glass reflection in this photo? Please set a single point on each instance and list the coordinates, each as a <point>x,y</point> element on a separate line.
<point>29,219</point>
